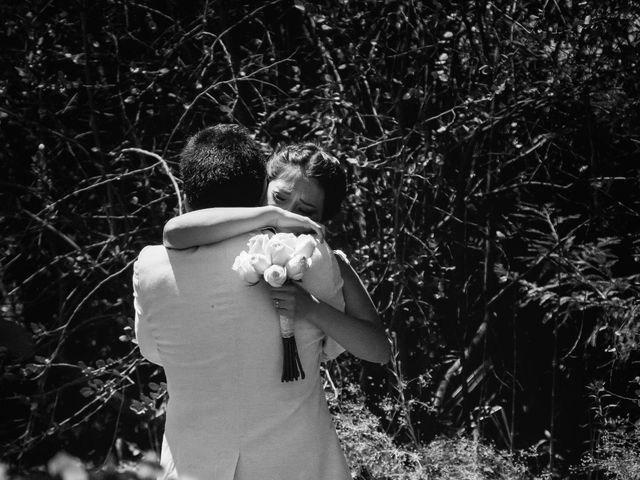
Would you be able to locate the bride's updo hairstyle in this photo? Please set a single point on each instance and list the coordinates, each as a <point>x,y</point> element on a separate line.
<point>311,161</point>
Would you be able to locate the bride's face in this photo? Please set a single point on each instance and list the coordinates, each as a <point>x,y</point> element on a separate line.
<point>298,194</point>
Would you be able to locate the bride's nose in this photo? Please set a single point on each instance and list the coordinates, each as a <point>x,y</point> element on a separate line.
<point>291,204</point>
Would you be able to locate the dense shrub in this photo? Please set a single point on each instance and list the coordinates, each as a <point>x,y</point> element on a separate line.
<point>618,455</point>
<point>373,454</point>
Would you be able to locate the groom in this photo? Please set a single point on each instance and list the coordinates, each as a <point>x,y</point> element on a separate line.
<point>179,293</point>
<point>228,414</point>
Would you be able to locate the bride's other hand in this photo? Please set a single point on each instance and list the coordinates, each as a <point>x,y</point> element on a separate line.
<point>292,300</point>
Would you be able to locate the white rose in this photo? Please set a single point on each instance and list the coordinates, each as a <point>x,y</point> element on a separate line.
<point>275,275</point>
<point>242,266</point>
<point>258,243</point>
<point>259,262</point>
<point>305,245</point>
<point>280,250</point>
<point>296,267</point>
<point>288,239</point>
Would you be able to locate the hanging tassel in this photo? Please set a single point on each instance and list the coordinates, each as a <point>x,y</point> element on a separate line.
<point>291,364</point>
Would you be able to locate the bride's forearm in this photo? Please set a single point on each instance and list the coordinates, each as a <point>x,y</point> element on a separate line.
<point>212,225</point>
<point>358,329</point>
<point>362,338</point>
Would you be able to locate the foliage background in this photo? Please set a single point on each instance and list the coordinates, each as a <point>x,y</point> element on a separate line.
<point>493,152</point>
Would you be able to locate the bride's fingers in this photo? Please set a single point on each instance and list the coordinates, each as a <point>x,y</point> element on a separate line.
<point>284,299</point>
<point>284,306</point>
<point>311,227</point>
<point>319,230</point>
<point>287,289</point>
<point>281,298</point>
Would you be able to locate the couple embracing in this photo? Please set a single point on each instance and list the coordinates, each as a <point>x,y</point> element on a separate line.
<point>229,415</point>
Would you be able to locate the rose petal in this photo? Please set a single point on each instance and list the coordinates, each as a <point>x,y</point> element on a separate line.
<point>305,245</point>
<point>296,267</point>
<point>275,275</point>
<point>242,266</point>
<point>259,262</point>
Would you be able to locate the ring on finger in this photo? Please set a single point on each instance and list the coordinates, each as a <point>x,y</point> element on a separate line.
<point>276,303</point>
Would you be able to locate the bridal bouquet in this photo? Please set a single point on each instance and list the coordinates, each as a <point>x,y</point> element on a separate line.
<point>277,258</point>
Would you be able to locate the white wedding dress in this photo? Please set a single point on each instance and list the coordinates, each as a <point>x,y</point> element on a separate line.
<point>229,417</point>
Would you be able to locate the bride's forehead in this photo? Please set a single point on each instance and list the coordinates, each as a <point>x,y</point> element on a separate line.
<point>305,187</point>
<point>291,174</point>
<point>293,179</point>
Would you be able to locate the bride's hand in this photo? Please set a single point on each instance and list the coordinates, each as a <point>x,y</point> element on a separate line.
<point>292,222</point>
<point>292,300</point>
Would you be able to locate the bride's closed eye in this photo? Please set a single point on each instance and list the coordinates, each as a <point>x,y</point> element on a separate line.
<point>298,195</point>
<point>278,197</point>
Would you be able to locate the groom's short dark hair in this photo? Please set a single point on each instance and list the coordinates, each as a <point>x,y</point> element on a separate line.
<point>222,166</point>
